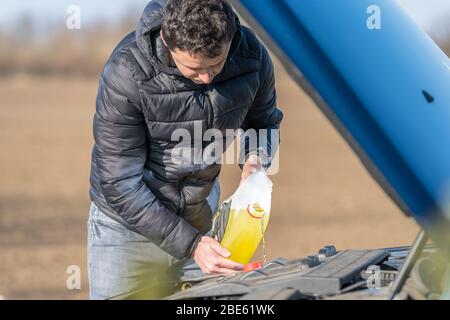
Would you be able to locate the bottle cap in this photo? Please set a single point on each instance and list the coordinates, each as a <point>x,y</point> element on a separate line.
<point>253,266</point>
<point>255,211</point>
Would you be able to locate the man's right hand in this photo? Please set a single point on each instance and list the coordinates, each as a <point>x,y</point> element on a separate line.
<point>211,256</point>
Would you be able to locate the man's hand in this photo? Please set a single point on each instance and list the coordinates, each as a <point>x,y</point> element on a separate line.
<point>252,165</point>
<point>211,256</point>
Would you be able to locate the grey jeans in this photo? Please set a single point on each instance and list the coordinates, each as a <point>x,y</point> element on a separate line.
<point>121,261</point>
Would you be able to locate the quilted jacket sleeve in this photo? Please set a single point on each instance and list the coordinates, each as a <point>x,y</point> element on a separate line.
<point>120,137</point>
<point>262,124</point>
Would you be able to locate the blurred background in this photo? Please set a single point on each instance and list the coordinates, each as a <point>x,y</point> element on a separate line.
<point>48,82</point>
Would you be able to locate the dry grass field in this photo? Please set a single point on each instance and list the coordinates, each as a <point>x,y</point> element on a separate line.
<point>322,194</point>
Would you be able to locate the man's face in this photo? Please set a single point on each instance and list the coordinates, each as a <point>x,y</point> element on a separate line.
<point>199,69</point>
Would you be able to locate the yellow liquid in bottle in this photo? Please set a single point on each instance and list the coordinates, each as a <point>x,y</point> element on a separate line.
<point>244,232</point>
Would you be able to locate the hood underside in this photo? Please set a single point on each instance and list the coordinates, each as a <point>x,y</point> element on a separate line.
<point>384,88</point>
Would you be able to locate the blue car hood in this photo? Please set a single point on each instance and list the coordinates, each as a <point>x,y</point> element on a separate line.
<point>383,83</point>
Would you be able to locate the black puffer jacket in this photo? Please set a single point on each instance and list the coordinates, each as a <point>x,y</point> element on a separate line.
<point>142,99</point>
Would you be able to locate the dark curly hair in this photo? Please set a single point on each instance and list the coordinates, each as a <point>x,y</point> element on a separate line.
<point>198,26</point>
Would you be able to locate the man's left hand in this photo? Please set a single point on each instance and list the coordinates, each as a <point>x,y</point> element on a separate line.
<point>252,165</point>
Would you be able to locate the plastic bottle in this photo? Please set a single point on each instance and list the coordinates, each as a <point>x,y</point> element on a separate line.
<point>248,217</point>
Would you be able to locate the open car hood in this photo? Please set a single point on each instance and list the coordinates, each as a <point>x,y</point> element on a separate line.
<point>387,91</point>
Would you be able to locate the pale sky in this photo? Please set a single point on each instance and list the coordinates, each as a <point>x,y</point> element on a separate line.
<point>425,12</point>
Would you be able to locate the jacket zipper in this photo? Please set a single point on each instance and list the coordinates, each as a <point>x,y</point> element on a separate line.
<point>210,123</point>
<point>208,104</point>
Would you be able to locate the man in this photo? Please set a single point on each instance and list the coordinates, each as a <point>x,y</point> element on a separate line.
<point>189,64</point>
